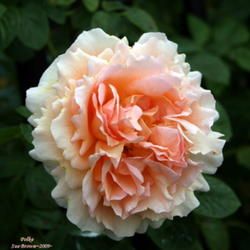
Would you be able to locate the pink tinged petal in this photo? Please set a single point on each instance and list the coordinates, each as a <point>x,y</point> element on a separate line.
<point>158,168</point>
<point>89,42</point>
<point>122,75</point>
<point>106,54</point>
<point>95,65</point>
<point>78,213</point>
<point>132,114</point>
<point>154,85</point>
<point>72,65</point>
<point>126,183</point>
<point>45,148</point>
<point>114,153</point>
<point>62,132</point>
<point>200,184</point>
<point>206,143</point>
<point>208,162</point>
<point>189,175</point>
<point>112,190</point>
<point>129,203</point>
<point>74,177</point>
<point>101,93</point>
<point>135,172</point>
<point>116,206</point>
<point>117,193</point>
<point>192,128</point>
<point>90,194</point>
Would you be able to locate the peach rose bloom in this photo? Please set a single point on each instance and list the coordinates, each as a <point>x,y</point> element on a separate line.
<point>125,131</point>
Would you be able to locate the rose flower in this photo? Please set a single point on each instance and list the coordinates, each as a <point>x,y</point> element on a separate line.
<point>125,132</point>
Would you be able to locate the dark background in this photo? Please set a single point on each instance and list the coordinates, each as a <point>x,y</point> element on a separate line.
<point>216,39</point>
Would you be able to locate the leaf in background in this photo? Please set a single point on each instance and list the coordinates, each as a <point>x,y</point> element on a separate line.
<point>58,15</point>
<point>15,166</point>
<point>223,124</point>
<point>9,133</point>
<point>42,219</point>
<point>212,67</point>
<point>199,30</point>
<point>186,45</point>
<point>19,52</point>
<point>219,202</point>
<point>39,185</point>
<point>243,156</point>
<point>2,9</point>
<point>91,5</point>
<point>228,34</point>
<point>61,2</point>
<point>33,30</point>
<point>215,234</point>
<point>80,19</point>
<point>242,57</point>
<point>8,26</point>
<point>23,111</point>
<point>111,23</point>
<point>26,130</point>
<point>113,6</point>
<point>175,235</point>
<point>12,201</point>
<point>140,18</point>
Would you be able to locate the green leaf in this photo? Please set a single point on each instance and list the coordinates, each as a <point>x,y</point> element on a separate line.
<point>243,156</point>
<point>215,234</point>
<point>91,5</point>
<point>33,30</point>
<point>26,130</point>
<point>39,185</point>
<point>19,52</point>
<point>219,202</point>
<point>42,219</point>
<point>8,26</point>
<point>242,57</point>
<point>9,133</point>
<point>2,9</point>
<point>23,111</point>
<point>141,19</point>
<point>62,2</point>
<point>212,67</point>
<point>12,201</point>
<point>223,124</point>
<point>175,235</point>
<point>113,6</point>
<point>199,30</point>
<point>58,15</point>
<point>229,34</point>
<point>111,23</point>
<point>15,166</point>
<point>186,45</point>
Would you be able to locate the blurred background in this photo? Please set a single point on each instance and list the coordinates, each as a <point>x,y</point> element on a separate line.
<point>215,37</point>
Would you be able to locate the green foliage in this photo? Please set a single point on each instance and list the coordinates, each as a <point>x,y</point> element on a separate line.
<point>141,19</point>
<point>215,233</point>
<point>199,30</point>
<point>33,29</point>
<point>91,5</point>
<point>216,39</point>
<point>219,202</point>
<point>223,124</point>
<point>243,156</point>
<point>175,235</point>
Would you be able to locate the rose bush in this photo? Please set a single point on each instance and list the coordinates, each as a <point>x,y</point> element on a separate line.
<point>125,131</point>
